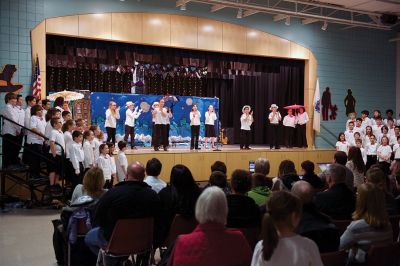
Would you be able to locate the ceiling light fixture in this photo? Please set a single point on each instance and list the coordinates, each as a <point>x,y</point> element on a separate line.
<point>287,21</point>
<point>239,13</point>
<point>324,26</point>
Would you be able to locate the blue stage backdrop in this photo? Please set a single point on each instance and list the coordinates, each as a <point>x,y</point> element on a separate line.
<point>180,106</point>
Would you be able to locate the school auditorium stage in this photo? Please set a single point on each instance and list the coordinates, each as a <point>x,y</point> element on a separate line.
<point>199,161</point>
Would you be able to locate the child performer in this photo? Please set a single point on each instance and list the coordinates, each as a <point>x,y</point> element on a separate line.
<point>377,127</point>
<point>111,149</point>
<point>384,153</point>
<point>367,136</point>
<point>194,127</point>
<point>358,127</point>
<point>34,141</point>
<point>154,108</point>
<point>112,114</point>
<point>289,123</point>
<point>366,121</point>
<point>371,149</point>
<point>396,149</point>
<point>210,118</point>
<point>352,118</point>
<point>375,115</point>
<point>97,140</point>
<point>274,118</point>
<point>131,115</point>
<point>342,144</point>
<point>363,151</point>
<point>160,126</point>
<point>56,151</point>
<point>76,156</point>
<point>245,131</point>
<point>104,163</point>
<point>121,162</point>
<point>88,152</point>
<point>302,119</point>
<point>389,115</point>
<point>349,134</point>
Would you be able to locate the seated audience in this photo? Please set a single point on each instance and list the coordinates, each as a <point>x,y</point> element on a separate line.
<point>356,165</point>
<point>153,170</point>
<point>338,200</point>
<point>279,244</point>
<point>370,224</point>
<point>178,197</point>
<point>313,224</point>
<point>211,243</point>
<point>340,157</point>
<point>243,212</point>
<point>218,166</point>
<point>287,175</point>
<point>307,168</point>
<point>93,183</point>
<point>260,189</point>
<point>132,198</point>
<point>218,178</point>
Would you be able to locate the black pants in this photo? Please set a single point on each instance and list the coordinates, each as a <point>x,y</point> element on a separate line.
<point>153,130</point>
<point>10,150</point>
<point>160,136</point>
<point>194,140</point>
<point>289,136</point>
<point>301,136</point>
<point>245,136</point>
<point>385,167</point>
<point>274,136</point>
<point>33,159</point>
<point>111,131</point>
<point>130,131</point>
<point>371,160</point>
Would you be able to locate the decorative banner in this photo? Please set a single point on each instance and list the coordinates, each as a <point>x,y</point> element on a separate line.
<point>180,107</point>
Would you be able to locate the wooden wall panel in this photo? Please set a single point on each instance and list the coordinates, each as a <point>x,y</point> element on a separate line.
<point>97,26</point>
<point>257,42</point>
<point>157,29</point>
<point>183,31</point>
<point>240,160</point>
<point>200,163</point>
<point>68,25</point>
<point>209,34</point>
<point>126,27</point>
<point>233,38</point>
<point>278,47</point>
<point>298,51</point>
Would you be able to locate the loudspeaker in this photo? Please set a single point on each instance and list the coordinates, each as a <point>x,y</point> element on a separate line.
<point>389,19</point>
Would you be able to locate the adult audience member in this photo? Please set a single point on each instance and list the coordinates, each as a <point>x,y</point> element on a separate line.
<point>261,189</point>
<point>153,170</point>
<point>338,200</point>
<point>370,224</point>
<point>211,243</point>
<point>132,198</point>
<point>307,168</point>
<point>218,166</point>
<point>340,157</point>
<point>243,212</point>
<point>218,178</point>
<point>313,224</point>
<point>356,165</point>
<point>279,244</point>
<point>262,166</point>
<point>92,185</point>
<point>287,176</point>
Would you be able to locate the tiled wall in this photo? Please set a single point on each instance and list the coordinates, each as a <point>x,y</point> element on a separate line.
<point>360,59</point>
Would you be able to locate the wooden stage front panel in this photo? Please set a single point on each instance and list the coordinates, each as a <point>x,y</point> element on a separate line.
<point>199,162</point>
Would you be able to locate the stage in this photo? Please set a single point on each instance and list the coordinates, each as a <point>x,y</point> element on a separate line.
<point>199,161</point>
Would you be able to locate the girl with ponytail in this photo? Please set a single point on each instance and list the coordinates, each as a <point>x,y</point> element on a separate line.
<point>280,245</point>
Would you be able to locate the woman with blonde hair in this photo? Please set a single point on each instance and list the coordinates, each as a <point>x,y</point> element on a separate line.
<point>112,114</point>
<point>93,183</point>
<point>279,244</point>
<point>370,223</point>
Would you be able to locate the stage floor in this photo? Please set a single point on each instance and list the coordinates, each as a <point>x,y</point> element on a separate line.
<point>199,161</point>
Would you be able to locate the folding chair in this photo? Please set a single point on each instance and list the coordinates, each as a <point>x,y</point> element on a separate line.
<point>180,225</point>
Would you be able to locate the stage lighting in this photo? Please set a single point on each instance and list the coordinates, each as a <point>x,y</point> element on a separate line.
<point>183,7</point>
<point>239,13</point>
<point>325,26</point>
<point>287,21</point>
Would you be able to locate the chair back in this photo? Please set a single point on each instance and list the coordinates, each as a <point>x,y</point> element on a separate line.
<point>342,225</point>
<point>388,255</point>
<point>180,225</point>
<point>394,220</point>
<point>252,235</point>
<point>337,258</point>
<point>131,236</point>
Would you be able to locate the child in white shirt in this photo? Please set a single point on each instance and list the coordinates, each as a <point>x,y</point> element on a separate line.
<point>105,164</point>
<point>68,127</point>
<point>57,148</point>
<point>121,162</point>
<point>76,156</point>
<point>111,149</point>
<point>352,118</point>
<point>363,152</point>
<point>358,127</point>
<point>289,123</point>
<point>371,150</point>
<point>349,134</point>
<point>97,140</point>
<point>396,149</point>
<point>377,128</point>
<point>366,121</point>
<point>342,144</point>
<point>88,151</point>
<point>384,153</point>
<point>367,136</point>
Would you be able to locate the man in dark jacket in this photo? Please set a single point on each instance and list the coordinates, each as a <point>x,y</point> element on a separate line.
<point>313,224</point>
<point>132,198</point>
<point>338,201</point>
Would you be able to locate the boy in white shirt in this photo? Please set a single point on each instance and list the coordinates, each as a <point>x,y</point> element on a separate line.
<point>76,156</point>
<point>366,121</point>
<point>352,118</point>
<point>377,128</point>
<point>358,127</point>
<point>88,151</point>
<point>245,127</point>
<point>104,163</point>
<point>349,133</point>
<point>396,149</point>
<point>371,149</point>
<point>363,152</point>
<point>121,162</point>
<point>57,150</point>
<point>289,123</point>
<point>384,153</point>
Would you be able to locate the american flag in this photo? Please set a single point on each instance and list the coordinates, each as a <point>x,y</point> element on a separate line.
<point>36,82</point>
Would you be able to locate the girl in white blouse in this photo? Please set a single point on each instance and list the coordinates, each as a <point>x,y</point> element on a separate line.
<point>371,150</point>
<point>194,127</point>
<point>280,245</point>
<point>245,131</point>
<point>97,140</point>
<point>112,114</point>
<point>384,153</point>
<point>88,152</point>
<point>302,120</point>
<point>367,136</point>
<point>105,164</point>
<point>210,118</point>
<point>341,144</point>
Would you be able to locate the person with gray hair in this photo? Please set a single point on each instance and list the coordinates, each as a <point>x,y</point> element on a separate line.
<point>338,201</point>
<point>313,224</point>
<point>262,166</point>
<point>211,243</point>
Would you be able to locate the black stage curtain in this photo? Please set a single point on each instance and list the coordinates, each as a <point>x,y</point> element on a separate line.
<point>82,64</point>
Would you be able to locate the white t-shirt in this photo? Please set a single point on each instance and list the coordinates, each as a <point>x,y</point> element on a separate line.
<point>155,183</point>
<point>159,119</point>
<point>384,151</point>
<point>210,118</point>
<point>275,118</point>
<point>377,130</point>
<point>246,121</point>
<point>348,121</point>
<point>195,118</point>
<point>371,149</point>
<point>111,121</point>
<point>121,163</point>
<point>88,153</point>
<point>366,122</point>
<point>349,134</point>
<point>294,251</point>
<point>58,137</point>
<point>289,121</point>
<point>366,141</point>
<point>131,116</point>
<point>342,146</point>
<point>396,150</point>
<point>39,124</point>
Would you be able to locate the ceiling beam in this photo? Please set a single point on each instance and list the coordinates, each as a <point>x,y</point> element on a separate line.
<point>180,3</point>
<point>279,17</point>
<point>215,8</point>
<point>308,21</point>
<point>250,13</point>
